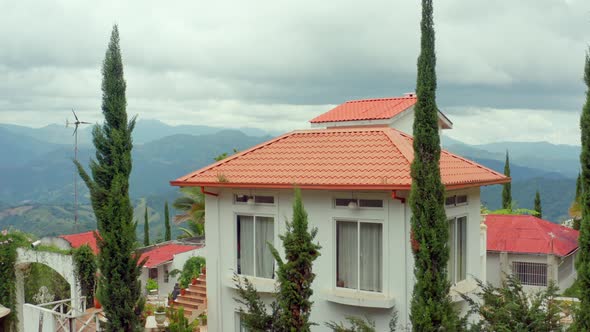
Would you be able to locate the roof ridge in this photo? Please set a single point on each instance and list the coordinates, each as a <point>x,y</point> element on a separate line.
<point>400,143</point>
<point>473,163</point>
<point>379,99</point>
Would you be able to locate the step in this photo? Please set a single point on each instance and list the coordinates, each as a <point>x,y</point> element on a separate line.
<point>193,288</point>
<point>194,299</point>
<point>187,304</point>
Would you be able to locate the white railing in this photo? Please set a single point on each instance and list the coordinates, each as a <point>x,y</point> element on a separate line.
<point>62,317</point>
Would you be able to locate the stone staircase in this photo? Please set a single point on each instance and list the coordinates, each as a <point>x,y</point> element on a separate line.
<point>194,301</point>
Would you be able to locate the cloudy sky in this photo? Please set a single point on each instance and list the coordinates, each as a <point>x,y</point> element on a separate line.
<point>507,70</point>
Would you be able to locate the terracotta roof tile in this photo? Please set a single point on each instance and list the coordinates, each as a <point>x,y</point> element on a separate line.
<point>529,235</point>
<point>367,109</point>
<point>353,158</point>
<point>164,253</point>
<point>80,239</point>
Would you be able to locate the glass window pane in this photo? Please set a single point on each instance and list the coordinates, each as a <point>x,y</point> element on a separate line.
<point>450,200</point>
<point>462,199</point>
<point>246,245</point>
<point>373,203</point>
<point>462,248</point>
<point>264,236</point>
<point>452,254</point>
<point>344,201</point>
<point>371,257</point>
<point>347,253</point>
<point>264,199</point>
<point>241,198</point>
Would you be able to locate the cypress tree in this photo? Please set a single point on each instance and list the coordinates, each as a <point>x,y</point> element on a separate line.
<point>582,322</point>
<point>168,235</point>
<point>538,205</point>
<point>431,308</point>
<point>579,187</point>
<point>119,289</point>
<point>576,205</point>
<point>507,190</point>
<point>146,228</point>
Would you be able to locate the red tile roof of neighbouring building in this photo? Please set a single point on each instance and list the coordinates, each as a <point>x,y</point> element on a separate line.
<point>80,239</point>
<point>529,235</point>
<point>164,253</point>
<point>367,109</point>
<point>360,158</point>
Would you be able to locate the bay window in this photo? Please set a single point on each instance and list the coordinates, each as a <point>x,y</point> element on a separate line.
<point>254,256</point>
<point>359,251</point>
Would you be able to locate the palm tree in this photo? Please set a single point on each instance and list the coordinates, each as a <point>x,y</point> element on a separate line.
<point>192,207</point>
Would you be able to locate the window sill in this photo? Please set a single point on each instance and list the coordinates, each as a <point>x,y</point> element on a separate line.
<point>358,298</point>
<point>462,287</point>
<point>262,285</point>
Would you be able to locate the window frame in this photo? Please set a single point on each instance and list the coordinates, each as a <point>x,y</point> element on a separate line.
<point>358,200</point>
<point>236,202</point>
<point>455,197</point>
<point>384,254</point>
<point>235,242</point>
<point>525,264</point>
<point>453,274</point>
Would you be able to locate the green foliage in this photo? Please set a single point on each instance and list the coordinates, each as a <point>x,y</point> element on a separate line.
<point>538,207</point>
<point>513,209</point>
<point>192,207</point>
<point>85,267</point>
<point>120,288</point>
<point>190,269</point>
<point>168,235</point>
<point>431,307</point>
<point>507,187</point>
<point>9,242</point>
<point>179,323</point>
<point>573,290</point>
<point>291,309</point>
<point>146,228</point>
<point>356,325</point>
<point>583,261</point>
<point>575,210</point>
<point>509,308</point>
<point>225,155</point>
<point>160,309</point>
<point>53,249</point>
<point>151,284</point>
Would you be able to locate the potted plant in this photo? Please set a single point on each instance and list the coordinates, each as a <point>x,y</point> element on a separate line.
<point>160,315</point>
<point>194,279</point>
<point>182,291</point>
<point>170,299</point>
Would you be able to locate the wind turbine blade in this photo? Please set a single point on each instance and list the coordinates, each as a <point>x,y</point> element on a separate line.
<point>75,114</point>
<point>75,131</point>
<point>84,122</point>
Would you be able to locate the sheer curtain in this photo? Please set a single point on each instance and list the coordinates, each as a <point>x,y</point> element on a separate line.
<point>264,258</point>
<point>371,257</point>
<point>462,248</point>
<point>452,251</point>
<point>246,245</point>
<point>347,251</point>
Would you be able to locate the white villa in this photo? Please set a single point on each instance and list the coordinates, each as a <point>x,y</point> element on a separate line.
<point>354,174</point>
<point>536,251</point>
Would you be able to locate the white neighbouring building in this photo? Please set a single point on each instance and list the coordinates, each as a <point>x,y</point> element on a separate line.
<point>534,250</point>
<point>354,174</point>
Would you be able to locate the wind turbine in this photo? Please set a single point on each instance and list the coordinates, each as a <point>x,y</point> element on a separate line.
<point>75,134</point>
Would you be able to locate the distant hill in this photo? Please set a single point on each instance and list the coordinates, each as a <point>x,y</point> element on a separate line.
<point>36,182</point>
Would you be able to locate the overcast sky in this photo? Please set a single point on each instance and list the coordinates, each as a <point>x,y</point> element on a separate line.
<point>507,70</point>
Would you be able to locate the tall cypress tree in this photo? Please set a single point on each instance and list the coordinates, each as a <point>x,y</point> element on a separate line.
<point>146,228</point>
<point>119,289</point>
<point>168,235</point>
<point>582,322</point>
<point>431,308</point>
<point>575,209</point>
<point>507,190</point>
<point>538,205</point>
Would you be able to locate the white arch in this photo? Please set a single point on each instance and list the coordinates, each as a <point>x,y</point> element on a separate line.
<point>62,264</point>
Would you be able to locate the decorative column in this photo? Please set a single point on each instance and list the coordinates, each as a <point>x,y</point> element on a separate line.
<point>20,295</point>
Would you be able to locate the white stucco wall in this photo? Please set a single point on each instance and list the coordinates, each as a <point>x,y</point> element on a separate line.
<point>567,272</point>
<point>164,288</point>
<point>494,272</point>
<point>330,303</point>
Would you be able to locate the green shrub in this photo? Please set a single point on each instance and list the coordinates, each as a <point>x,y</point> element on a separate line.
<point>190,269</point>
<point>151,284</point>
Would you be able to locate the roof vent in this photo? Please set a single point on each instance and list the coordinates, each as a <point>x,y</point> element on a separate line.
<point>410,94</point>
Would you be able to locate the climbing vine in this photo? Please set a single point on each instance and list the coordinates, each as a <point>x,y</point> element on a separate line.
<point>85,267</point>
<point>9,241</point>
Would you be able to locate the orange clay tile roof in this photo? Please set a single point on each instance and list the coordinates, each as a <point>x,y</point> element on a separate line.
<point>80,239</point>
<point>353,158</point>
<point>367,109</point>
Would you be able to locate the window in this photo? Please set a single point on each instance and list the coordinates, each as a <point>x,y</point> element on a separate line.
<point>166,274</point>
<point>359,251</point>
<point>363,203</point>
<point>153,273</point>
<point>533,274</point>
<point>456,200</point>
<point>254,256</point>
<point>239,325</point>
<point>254,199</point>
<point>457,249</point>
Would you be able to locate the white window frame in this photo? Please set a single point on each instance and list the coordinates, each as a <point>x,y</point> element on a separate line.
<point>238,324</point>
<point>541,279</point>
<point>453,275</point>
<point>358,199</point>
<point>384,254</point>
<point>235,241</point>
<point>236,194</point>
<point>455,200</point>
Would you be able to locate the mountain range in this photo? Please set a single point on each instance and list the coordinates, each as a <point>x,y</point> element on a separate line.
<point>36,172</point>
